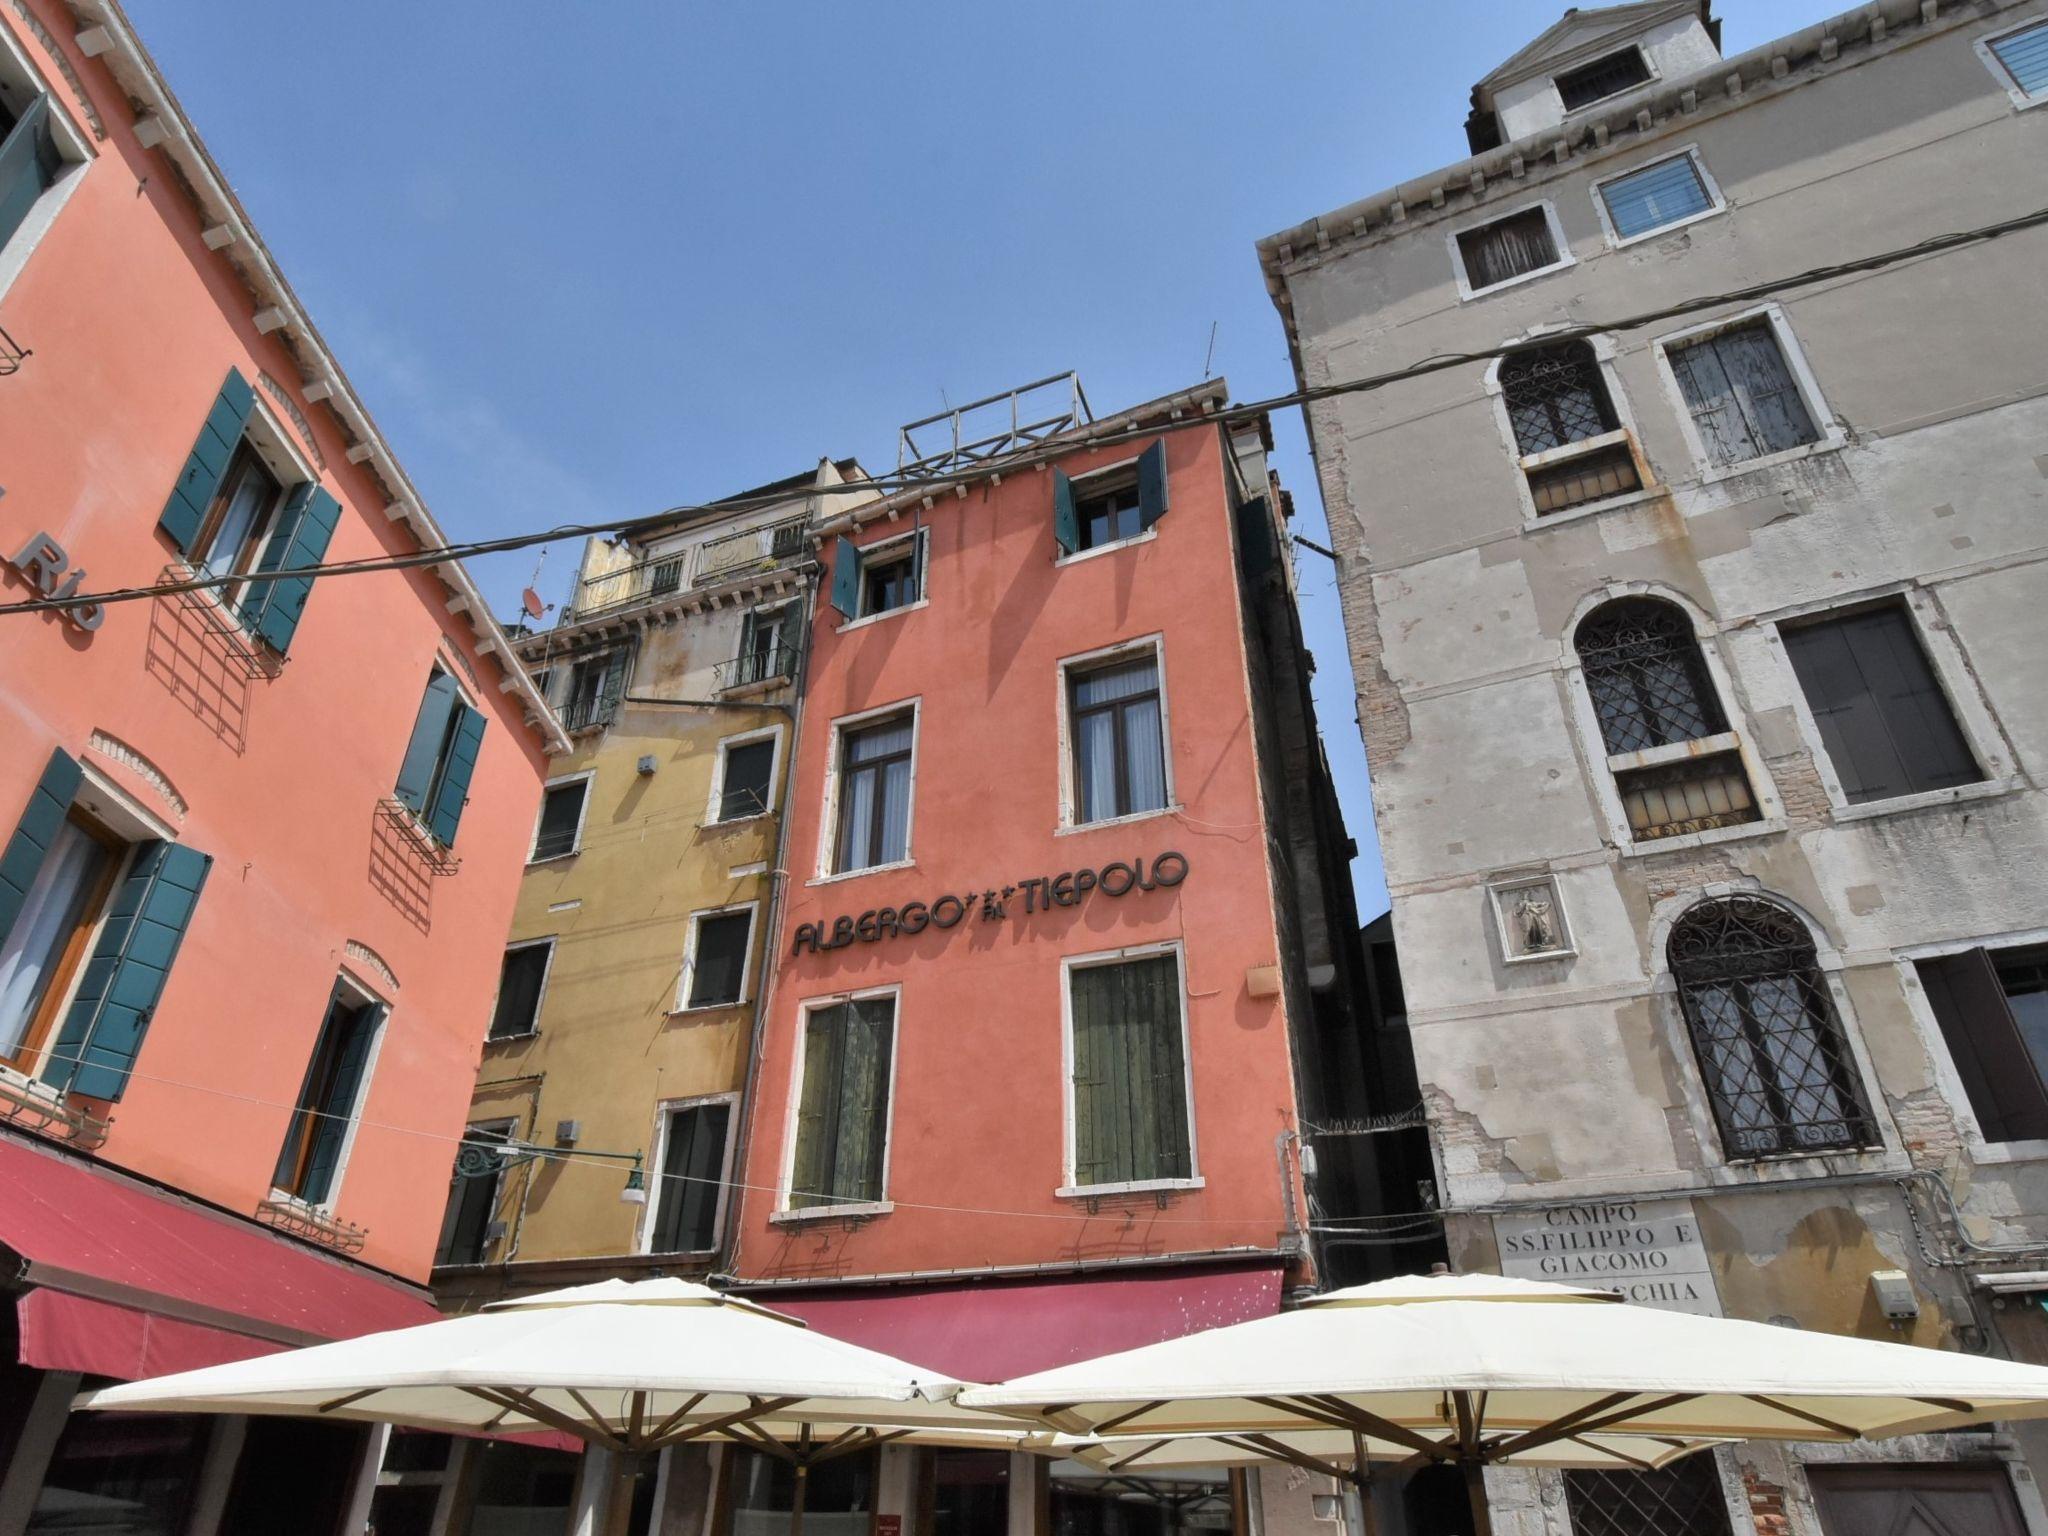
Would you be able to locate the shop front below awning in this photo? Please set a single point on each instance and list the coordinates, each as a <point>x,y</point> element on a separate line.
<point>129,1281</point>
<point>995,1329</point>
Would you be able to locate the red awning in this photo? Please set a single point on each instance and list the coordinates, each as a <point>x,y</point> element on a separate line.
<point>995,1329</point>
<point>130,1281</point>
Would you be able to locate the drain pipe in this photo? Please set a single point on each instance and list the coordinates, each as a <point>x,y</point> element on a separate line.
<point>778,891</point>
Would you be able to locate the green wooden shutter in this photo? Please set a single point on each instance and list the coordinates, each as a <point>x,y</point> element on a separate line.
<point>816,1110</point>
<point>337,1108</point>
<point>1152,484</point>
<point>199,481</point>
<point>300,540</point>
<point>1255,538</point>
<point>28,165</point>
<point>429,731</point>
<point>614,686</point>
<point>921,573</point>
<point>39,825</point>
<point>446,812</point>
<point>846,577</point>
<point>120,985</point>
<point>1066,522</point>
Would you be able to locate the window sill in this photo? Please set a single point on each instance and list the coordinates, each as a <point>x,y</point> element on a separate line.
<point>1535,521</point>
<point>866,869</point>
<point>1537,957</point>
<point>1982,1151</point>
<point>1068,829</point>
<point>693,1009</point>
<point>1622,242</point>
<point>1631,849</point>
<point>1931,799</point>
<point>737,821</point>
<point>886,613</point>
<point>1833,442</point>
<point>1108,549</point>
<point>1133,1187</point>
<point>1466,293</point>
<point>797,1216</point>
<point>553,858</point>
<point>1675,752</point>
<point>512,1039</point>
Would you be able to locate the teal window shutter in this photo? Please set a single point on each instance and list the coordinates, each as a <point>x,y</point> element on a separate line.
<point>1152,484</point>
<point>23,859</point>
<point>1255,539</point>
<point>1066,523</point>
<point>28,165</point>
<point>846,577</point>
<point>327,1101</point>
<point>119,988</point>
<point>272,608</point>
<point>452,793</point>
<point>429,735</point>
<point>199,481</point>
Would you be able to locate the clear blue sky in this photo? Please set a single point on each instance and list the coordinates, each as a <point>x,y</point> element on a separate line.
<point>586,262</point>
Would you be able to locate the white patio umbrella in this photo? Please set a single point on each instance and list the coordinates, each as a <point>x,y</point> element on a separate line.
<point>1483,1370</point>
<point>632,1366</point>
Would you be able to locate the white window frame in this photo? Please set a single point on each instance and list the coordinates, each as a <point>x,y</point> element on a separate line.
<point>689,970</point>
<point>1942,1060</point>
<point>1832,435</point>
<point>1602,767</point>
<point>1070,791</point>
<point>2021,101</point>
<point>1669,1012</point>
<point>363,995</point>
<point>1604,353</point>
<point>1075,484</point>
<point>784,1212</point>
<point>744,738</point>
<point>664,1111</point>
<point>1565,258</point>
<point>540,998</point>
<point>1717,204</point>
<point>1952,674</point>
<point>1069,1187</point>
<point>73,145</point>
<point>828,836</point>
<point>1649,62</point>
<point>582,776</point>
<point>867,552</point>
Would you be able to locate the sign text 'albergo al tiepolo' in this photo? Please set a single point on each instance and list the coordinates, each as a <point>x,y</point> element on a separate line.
<point>1040,893</point>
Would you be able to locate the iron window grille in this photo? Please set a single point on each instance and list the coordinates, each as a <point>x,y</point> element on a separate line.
<point>1609,75</point>
<point>1693,794</point>
<point>1646,675</point>
<point>1683,1499</point>
<point>1770,1049</point>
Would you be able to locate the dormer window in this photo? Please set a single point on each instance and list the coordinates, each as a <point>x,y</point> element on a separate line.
<point>1609,75</point>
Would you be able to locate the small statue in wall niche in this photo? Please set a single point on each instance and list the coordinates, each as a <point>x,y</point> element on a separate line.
<point>1536,920</point>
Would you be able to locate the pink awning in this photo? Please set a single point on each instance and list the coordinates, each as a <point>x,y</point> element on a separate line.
<point>995,1329</point>
<point>131,1281</point>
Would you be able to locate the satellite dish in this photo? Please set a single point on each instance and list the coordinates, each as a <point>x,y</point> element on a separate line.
<point>530,601</point>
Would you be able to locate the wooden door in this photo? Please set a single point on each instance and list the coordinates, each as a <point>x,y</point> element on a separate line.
<point>1916,1501</point>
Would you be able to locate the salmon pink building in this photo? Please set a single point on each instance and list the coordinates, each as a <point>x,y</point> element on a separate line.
<point>259,842</point>
<point>1064,892</point>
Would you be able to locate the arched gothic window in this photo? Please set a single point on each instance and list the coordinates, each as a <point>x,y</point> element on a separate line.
<point>1776,1064</point>
<point>1651,690</point>
<point>1556,396</point>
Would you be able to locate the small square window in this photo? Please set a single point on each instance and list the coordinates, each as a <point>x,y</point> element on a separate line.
<point>1508,248</point>
<point>2022,57</point>
<point>1108,511</point>
<point>892,577</point>
<point>745,779</point>
<point>1608,75</point>
<point>560,827</point>
<point>718,958</point>
<point>1655,197</point>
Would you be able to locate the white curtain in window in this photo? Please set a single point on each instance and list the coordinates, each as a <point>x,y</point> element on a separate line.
<point>1148,760</point>
<point>895,811</point>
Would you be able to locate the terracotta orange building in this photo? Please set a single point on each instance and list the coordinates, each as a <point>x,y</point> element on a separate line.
<point>1063,886</point>
<point>259,843</point>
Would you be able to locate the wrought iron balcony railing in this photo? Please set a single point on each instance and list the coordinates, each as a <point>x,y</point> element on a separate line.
<point>754,549</point>
<point>588,713</point>
<point>773,664</point>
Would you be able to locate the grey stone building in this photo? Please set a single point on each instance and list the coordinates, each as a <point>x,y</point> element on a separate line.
<point>1700,665</point>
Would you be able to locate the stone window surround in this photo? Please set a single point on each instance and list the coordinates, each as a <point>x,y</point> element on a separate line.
<point>1940,1062</point>
<point>1668,1017</point>
<point>687,973</point>
<point>795,1215</point>
<point>1717,201</point>
<point>1605,352</point>
<point>1945,654</point>
<point>657,1155</point>
<point>1832,434</point>
<point>75,149</point>
<point>1593,747</point>
<point>1488,216</point>
<point>2021,101</point>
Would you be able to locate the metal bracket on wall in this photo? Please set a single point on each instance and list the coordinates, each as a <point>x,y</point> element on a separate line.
<point>47,1115</point>
<point>312,1225</point>
<point>12,354</point>
<point>437,859</point>
<point>220,625</point>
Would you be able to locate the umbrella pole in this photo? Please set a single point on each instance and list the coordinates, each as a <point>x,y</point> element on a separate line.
<point>1475,1490</point>
<point>803,1479</point>
<point>1361,1479</point>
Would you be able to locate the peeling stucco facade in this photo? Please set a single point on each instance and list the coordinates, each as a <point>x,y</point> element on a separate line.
<point>1560,1082</point>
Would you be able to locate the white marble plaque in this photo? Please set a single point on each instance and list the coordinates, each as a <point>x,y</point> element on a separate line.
<point>1647,1250</point>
